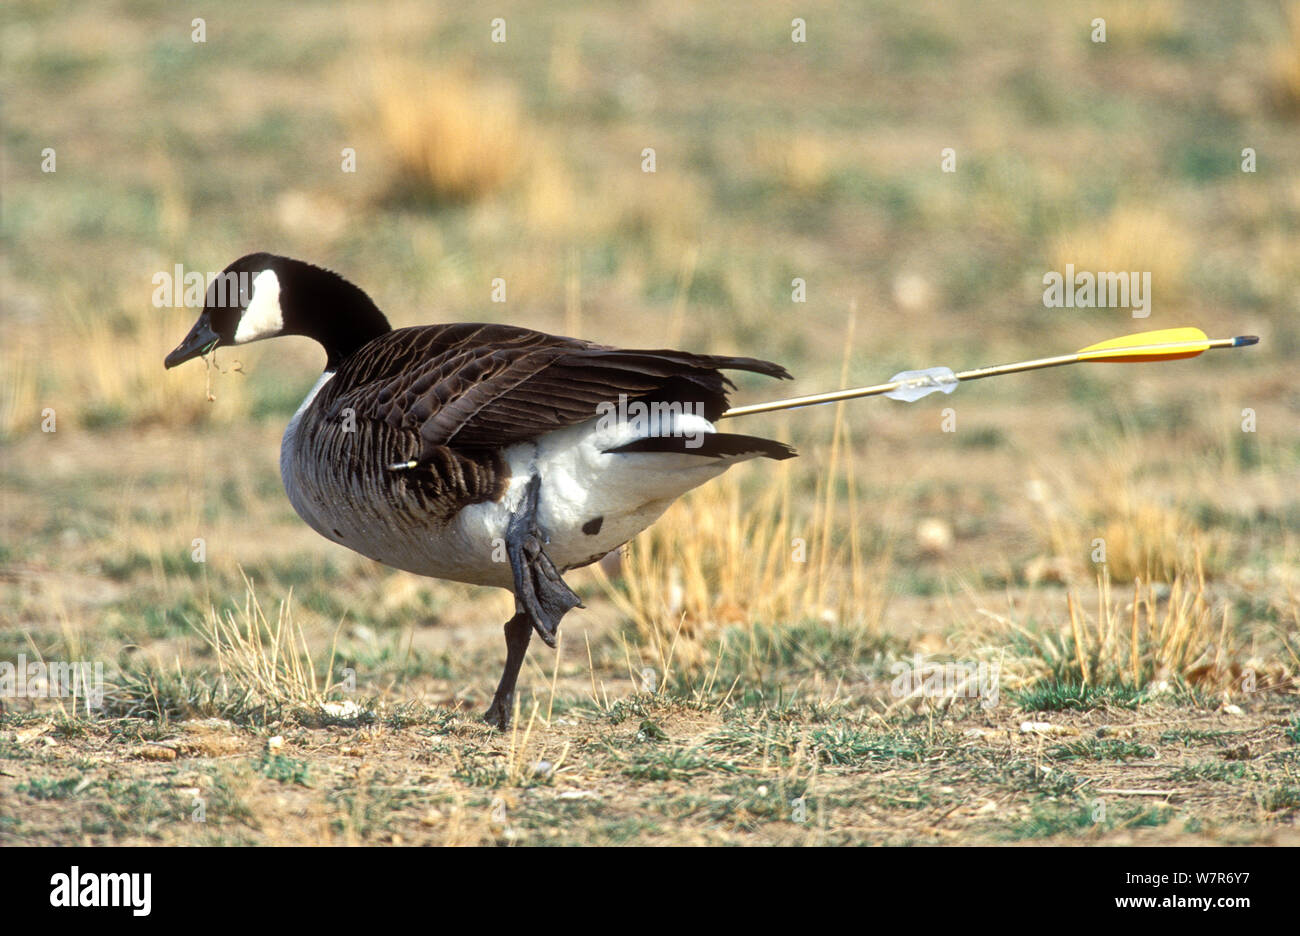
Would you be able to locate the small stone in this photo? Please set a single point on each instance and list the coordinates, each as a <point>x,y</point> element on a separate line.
<point>1036,491</point>
<point>157,752</point>
<point>912,292</point>
<point>274,744</point>
<point>1048,569</point>
<point>1046,728</point>
<point>346,709</point>
<point>431,818</point>
<point>363,633</point>
<point>934,536</point>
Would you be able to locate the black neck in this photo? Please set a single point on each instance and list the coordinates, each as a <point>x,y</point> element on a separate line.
<point>323,305</point>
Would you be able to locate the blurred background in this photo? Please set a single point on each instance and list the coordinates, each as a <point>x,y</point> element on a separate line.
<point>774,160</point>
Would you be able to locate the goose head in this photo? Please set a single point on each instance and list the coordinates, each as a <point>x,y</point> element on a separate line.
<point>262,296</point>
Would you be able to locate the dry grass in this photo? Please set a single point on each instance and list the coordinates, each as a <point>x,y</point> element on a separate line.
<point>1284,63</point>
<point>800,161</point>
<point>1141,23</point>
<point>261,671</point>
<point>1159,639</point>
<point>19,411</point>
<point>550,197</point>
<point>720,559</point>
<point>1132,238</point>
<point>1141,646</point>
<point>452,138</point>
<point>268,664</point>
<point>1099,514</point>
<point>1142,538</point>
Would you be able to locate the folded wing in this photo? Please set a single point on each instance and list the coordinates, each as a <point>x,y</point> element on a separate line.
<point>473,387</point>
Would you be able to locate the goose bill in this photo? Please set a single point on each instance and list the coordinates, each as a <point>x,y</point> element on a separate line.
<point>200,339</point>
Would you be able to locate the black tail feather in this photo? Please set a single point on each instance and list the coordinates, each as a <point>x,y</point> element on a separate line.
<point>709,445</point>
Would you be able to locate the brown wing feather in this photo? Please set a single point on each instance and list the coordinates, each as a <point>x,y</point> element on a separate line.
<point>486,386</point>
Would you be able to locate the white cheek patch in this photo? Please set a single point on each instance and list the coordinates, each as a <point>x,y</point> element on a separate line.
<point>263,317</point>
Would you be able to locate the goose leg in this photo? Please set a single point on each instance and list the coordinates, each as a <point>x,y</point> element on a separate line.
<point>519,629</point>
<point>541,600</point>
<point>539,589</point>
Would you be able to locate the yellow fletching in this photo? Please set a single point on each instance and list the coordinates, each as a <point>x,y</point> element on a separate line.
<point>1168,344</point>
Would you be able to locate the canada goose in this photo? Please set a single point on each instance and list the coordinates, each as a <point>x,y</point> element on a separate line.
<point>486,454</point>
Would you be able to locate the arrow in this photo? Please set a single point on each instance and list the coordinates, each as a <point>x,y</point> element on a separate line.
<point>1170,344</point>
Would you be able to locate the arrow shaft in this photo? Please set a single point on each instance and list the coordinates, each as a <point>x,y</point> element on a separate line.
<point>979,373</point>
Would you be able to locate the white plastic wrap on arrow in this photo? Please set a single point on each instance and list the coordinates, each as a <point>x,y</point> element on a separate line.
<point>920,383</point>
